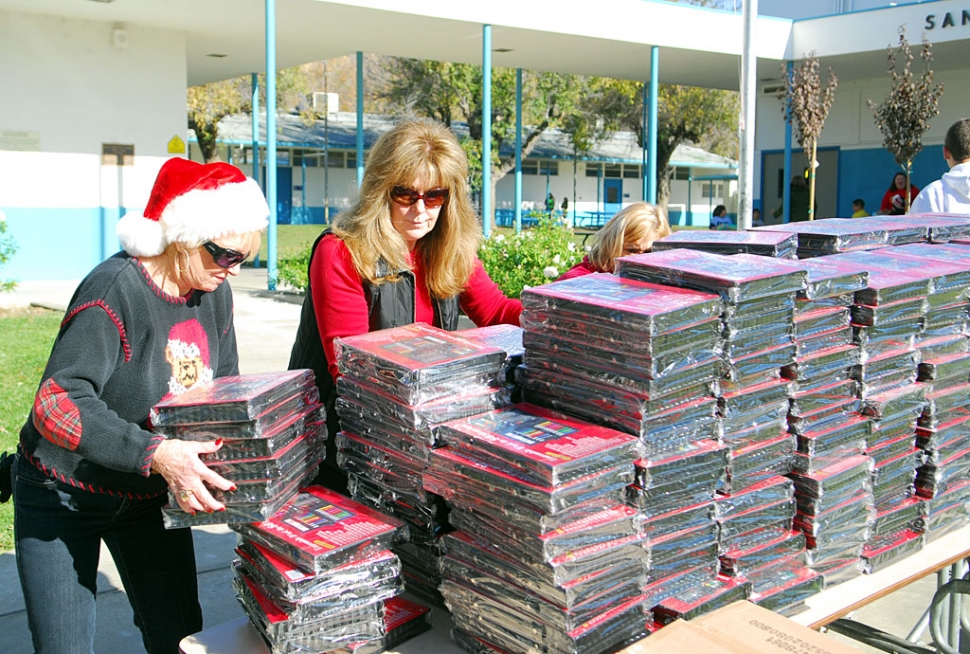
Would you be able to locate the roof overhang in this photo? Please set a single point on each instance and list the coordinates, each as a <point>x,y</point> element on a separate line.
<point>612,38</point>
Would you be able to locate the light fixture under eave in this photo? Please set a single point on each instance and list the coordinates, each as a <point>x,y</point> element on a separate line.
<point>216,55</point>
<point>502,50</point>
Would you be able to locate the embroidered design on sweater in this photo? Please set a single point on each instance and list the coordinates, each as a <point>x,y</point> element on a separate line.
<point>56,417</point>
<point>187,351</point>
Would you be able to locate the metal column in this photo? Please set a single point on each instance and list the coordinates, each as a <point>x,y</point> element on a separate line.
<point>360,118</point>
<point>518,149</point>
<point>271,143</point>
<point>486,129</point>
<point>652,127</point>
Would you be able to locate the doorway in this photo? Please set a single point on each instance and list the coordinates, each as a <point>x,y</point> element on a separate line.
<point>773,182</point>
<point>284,194</point>
<point>612,196</point>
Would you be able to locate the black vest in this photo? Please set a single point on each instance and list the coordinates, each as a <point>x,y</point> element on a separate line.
<point>390,304</point>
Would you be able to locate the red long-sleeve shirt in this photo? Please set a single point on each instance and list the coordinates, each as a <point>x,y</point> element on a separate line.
<point>341,307</point>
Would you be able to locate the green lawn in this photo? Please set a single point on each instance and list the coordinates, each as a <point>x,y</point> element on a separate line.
<point>26,337</point>
<point>291,239</point>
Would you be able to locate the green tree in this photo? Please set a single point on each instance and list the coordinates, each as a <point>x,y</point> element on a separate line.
<point>451,92</point>
<point>904,115</point>
<point>806,104</point>
<point>210,103</point>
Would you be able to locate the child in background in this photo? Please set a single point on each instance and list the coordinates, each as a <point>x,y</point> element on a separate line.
<point>859,208</point>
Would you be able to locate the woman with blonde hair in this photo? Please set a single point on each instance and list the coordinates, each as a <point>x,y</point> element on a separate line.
<point>405,252</point>
<point>631,231</point>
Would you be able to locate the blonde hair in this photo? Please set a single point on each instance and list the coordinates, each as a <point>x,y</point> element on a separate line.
<point>630,225</point>
<point>414,149</point>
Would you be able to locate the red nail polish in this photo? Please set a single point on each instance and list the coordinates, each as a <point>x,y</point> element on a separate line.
<point>223,509</point>
<point>218,441</point>
<point>233,488</point>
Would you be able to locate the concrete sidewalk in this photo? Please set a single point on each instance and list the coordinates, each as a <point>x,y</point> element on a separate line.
<point>265,326</point>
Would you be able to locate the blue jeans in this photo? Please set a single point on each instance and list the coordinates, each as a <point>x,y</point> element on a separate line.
<point>58,531</point>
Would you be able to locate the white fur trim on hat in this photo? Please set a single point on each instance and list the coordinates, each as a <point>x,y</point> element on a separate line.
<point>203,215</point>
<point>193,203</point>
<point>141,237</point>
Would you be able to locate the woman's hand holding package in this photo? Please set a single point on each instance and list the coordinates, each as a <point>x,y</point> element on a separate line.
<point>187,476</point>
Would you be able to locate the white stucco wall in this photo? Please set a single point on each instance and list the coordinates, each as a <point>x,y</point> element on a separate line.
<point>850,123</point>
<point>76,92</point>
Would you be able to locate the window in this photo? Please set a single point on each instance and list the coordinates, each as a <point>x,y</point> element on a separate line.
<point>613,170</point>
<point>707,187</point>
<point>537,167</point>
<point>627,171</point>
<point>304,156</point>
<point>681,173</point>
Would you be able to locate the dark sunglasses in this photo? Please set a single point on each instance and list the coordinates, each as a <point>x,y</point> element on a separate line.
<point>408,196</point>
<point>223,257</point>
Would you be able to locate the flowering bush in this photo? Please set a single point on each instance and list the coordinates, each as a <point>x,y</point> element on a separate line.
<point>293,270</point>
<point>531,257</point>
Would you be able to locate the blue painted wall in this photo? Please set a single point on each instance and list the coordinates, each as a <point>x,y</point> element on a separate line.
<point>866,174</point>
<point>58,243</point>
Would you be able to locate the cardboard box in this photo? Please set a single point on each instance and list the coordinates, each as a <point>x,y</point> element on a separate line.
<point>758,630</point>
<point>678,637</point>
<point>739,628</point>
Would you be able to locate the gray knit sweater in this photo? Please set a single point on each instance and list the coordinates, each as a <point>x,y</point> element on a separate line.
<point>123,345</point>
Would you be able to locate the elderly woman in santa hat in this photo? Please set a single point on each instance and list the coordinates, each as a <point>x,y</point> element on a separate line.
<point>152,320</point>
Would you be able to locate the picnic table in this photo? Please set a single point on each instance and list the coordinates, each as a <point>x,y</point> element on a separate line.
<point>588,223</point>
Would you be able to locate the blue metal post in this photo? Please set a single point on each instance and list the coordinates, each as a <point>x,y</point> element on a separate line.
<point>689,218</point>
<point>652,126</point>
<point>360,119</point>
<point>644,175</point>
<point>487,129</point>
<point>786,185</point>
<point>271,142</point>
<point>518,150</point>
<point>254,82</point>
<point>599,189</point>
<point>303,207</point>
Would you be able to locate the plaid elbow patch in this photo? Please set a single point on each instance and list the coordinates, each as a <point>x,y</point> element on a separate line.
<point>56,417</point>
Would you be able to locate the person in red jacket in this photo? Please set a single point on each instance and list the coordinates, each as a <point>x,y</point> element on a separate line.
<point>405,252</point>
<point>894,200</point>
<point>631,231</point>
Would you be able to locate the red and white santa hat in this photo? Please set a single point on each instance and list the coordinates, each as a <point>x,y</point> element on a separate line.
<point>193,202</point>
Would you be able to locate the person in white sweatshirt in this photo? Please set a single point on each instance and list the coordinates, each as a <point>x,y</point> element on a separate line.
<point>950,193</point>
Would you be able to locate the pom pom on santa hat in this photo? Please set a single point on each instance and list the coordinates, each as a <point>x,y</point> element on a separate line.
<point>192,203</point>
